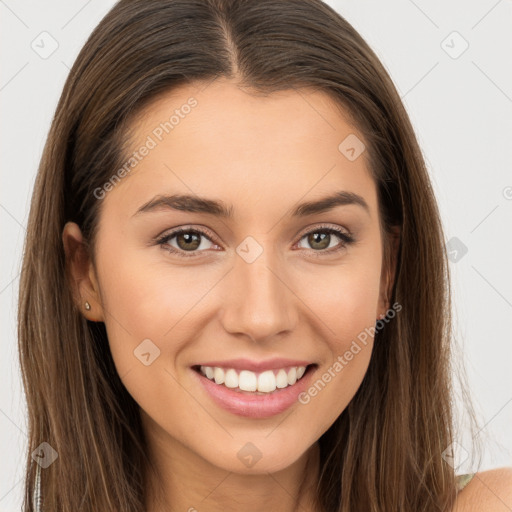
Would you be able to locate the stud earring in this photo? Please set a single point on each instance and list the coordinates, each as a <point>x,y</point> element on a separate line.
<point>87,306</point>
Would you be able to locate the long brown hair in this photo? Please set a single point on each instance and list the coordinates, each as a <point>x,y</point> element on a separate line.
<point>384,452</point>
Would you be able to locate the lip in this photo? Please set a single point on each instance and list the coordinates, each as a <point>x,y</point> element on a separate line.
<point>250,405</point>
<point>256,366</point>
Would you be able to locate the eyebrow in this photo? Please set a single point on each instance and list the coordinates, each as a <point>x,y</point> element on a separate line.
<point>196,204</point>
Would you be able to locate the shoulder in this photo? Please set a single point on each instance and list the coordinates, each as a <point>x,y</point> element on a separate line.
<point>488,491</point>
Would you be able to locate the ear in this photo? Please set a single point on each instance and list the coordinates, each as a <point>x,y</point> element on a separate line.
<point>389,263</point>
<point>81,273</point>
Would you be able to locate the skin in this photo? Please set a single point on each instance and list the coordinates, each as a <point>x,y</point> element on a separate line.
<point>489,491</point>
<point>245,151</point>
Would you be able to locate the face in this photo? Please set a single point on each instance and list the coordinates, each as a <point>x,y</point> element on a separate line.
<point>266,289</point>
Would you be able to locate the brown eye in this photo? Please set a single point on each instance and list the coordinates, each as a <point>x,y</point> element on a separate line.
<point>187,241</point>
<point>324,240</point>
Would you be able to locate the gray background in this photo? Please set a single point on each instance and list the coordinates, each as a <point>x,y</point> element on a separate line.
<point>459,101</point>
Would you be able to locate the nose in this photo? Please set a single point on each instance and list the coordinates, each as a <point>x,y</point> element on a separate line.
<point>260,303</point>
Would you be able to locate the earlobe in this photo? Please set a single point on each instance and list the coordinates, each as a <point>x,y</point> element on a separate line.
<point>80,273</point>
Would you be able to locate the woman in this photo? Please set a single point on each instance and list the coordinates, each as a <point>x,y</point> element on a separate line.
<point>240,297</point>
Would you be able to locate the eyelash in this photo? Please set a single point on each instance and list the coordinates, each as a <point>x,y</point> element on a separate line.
<point>346,239</point>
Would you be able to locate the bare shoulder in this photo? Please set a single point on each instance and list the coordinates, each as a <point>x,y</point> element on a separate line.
<point>488,491</point>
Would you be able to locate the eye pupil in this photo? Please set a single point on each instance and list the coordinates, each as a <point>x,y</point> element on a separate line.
<point>188,236</point>
<point>313,239</point>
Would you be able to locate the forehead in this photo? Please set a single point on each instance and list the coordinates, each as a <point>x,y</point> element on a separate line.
<point>224,114</point>
<point>218,140</point>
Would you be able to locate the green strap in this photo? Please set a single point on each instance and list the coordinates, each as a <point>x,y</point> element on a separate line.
<point>463,480</point>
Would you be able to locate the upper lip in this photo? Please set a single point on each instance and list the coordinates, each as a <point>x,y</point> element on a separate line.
<point>256,366</point>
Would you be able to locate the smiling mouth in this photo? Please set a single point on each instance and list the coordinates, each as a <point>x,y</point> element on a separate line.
<point>255,383</point>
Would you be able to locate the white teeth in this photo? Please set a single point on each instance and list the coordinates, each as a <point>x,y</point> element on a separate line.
<point>265,382</point>
<point>292,376</point>
<point>218,374</point>
<point>281,379</point>
<point>247,381</point>
<point>231,379</point>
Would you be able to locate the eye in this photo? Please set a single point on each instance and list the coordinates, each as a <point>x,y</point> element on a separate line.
<point>189,241</point>
<point>321,239</point>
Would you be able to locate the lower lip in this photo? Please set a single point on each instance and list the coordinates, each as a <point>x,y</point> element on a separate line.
<point>252,405</point>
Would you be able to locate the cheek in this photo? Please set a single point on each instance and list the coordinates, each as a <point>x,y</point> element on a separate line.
<point>350,314</point>
<point>348,308</point>
<point>345,296</point>
<point>148,298</point>
<point>145,307</point>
